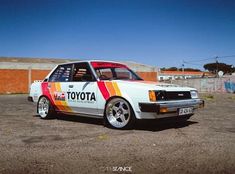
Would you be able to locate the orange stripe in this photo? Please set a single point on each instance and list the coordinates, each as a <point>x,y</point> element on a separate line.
<point>52,90</point>
<point>110,87</point>
<point>116,88</point>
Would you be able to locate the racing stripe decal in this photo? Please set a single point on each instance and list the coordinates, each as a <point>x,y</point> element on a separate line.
<point>63,104</point>
<point>117,90</point>
<point>109,89</point>
<point>49,90</point>
<point>46,92</point>
<point>103,90</point>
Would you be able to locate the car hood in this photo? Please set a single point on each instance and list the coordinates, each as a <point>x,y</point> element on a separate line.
<point>150,85</point>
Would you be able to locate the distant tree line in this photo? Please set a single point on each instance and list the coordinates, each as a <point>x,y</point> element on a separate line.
<point>211,67</point>
<point>180,69</point>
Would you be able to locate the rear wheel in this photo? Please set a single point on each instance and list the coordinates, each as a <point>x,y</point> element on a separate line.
<point>44,108</point>
<point>119,114</point>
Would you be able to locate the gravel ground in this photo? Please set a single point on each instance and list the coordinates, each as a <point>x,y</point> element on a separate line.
<point>204,144</point>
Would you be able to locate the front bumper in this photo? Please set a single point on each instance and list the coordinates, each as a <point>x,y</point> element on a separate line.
<point>169,107</point>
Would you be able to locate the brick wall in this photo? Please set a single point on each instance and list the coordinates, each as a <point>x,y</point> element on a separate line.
<point>39,74</point>
<point>148,76</point>
<point>17,80</point>
<point>13,81</point>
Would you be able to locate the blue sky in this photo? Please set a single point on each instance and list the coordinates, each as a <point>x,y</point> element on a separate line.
<point>162,33</point>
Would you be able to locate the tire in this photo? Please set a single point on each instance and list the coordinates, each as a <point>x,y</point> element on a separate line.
<point>119,114</point>
<point>44,108</point>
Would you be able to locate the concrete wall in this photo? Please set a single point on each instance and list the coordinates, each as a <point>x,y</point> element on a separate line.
<point>206,84</point>
<point>16,77</point>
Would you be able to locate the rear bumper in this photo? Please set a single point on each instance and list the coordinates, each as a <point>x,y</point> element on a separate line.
<point>169,107</point>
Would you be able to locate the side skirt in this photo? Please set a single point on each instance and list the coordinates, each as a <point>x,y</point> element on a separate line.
<point>82,114</point>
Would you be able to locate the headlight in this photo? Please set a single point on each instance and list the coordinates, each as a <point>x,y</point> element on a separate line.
<point>194,94</point>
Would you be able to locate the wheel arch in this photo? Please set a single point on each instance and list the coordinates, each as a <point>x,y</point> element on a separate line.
<point>128,101</point>
<point>52,104</point>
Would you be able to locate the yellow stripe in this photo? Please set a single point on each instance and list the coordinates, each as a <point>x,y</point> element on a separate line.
<point>117,90</point>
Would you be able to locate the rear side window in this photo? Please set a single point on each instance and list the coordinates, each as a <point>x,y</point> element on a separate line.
<point>123,73</point>
<point>61,74</point>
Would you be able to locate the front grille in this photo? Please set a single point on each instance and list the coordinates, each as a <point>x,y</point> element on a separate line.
<point>173,95</point>
<point>178,95</point>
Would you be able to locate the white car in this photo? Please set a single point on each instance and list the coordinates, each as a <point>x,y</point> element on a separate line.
<point>112,91</point>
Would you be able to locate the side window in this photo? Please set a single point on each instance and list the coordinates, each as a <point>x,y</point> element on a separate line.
<point>122,73</point>
<point>104,74</point>
<point>82,72</point>
<point>61,74</point>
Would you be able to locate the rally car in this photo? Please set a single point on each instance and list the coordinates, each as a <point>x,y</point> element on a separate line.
<point>112,91</point>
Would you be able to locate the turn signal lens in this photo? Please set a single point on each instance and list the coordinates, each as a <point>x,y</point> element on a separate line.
<point>163,110</point>
<point>152,96</point>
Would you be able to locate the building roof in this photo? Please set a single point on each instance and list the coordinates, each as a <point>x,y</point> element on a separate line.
<point>199,73</point>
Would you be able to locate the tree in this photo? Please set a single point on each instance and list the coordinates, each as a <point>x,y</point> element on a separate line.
<point>171,69</point>
<point>190,69</point>
<point>216,67</point>
<point>179,69</point>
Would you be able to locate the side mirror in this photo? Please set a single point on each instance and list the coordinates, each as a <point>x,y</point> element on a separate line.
<point>87,77</point>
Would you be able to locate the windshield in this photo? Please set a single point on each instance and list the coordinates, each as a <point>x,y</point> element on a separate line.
<point>116,74</point>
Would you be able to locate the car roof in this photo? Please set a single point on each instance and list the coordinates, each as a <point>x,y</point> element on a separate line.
<point>88,61</point>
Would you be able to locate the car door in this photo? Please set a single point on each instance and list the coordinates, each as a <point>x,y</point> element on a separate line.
<point>82,90</point>
<point>57,87</point>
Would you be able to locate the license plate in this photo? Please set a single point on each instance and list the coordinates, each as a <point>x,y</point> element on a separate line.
<point>185,111</point>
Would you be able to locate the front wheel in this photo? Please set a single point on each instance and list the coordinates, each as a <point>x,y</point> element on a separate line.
<point>119,114</point>
<point>44,108</point>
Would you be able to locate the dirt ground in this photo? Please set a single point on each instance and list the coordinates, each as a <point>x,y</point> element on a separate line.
<point>204,144</point>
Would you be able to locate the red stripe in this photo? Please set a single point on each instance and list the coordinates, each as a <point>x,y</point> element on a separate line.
<point>46,92</point>
<point>103,90</point>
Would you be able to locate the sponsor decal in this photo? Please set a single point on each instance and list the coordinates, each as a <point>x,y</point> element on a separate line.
<point>59,96</point>
<point>81,96</point>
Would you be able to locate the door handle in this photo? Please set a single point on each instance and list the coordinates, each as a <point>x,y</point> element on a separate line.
<point>70,86</point>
